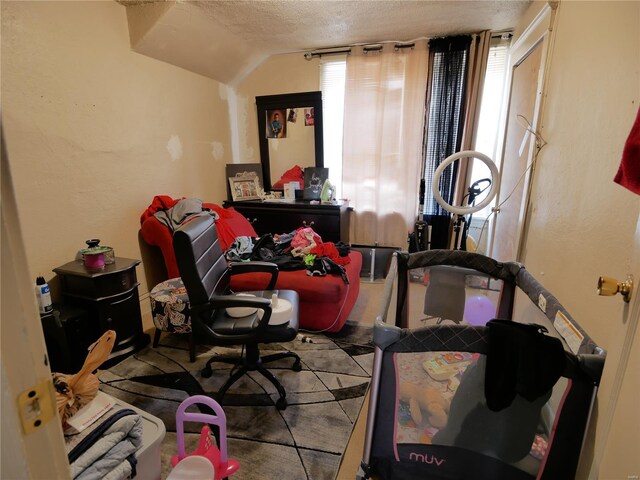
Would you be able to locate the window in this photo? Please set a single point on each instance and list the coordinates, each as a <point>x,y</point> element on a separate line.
<point>332,85</point>
<point>490,112</point>
<point>332,79</point>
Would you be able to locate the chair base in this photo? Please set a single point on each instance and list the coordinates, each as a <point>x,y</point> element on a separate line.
<point>249,363</point>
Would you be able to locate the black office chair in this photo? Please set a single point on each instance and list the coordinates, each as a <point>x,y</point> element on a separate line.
<point>206,276</point>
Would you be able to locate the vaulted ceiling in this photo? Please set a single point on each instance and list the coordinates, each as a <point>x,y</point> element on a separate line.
<point>226,39</point>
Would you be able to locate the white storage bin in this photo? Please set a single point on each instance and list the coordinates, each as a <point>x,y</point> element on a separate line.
<point>153,431</point>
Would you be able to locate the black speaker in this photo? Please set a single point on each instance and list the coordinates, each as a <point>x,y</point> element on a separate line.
<point>68,333</point>
<point>440,230</point>
<point>418,240</point>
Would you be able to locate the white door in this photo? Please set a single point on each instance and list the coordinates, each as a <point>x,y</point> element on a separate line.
<point>618,432</point>
<point>527,59</point>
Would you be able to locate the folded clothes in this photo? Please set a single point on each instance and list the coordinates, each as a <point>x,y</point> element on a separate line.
<point>106,450</point>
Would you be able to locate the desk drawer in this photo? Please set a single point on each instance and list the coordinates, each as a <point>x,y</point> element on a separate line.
<point>99,286</point>
<point>331,225</point>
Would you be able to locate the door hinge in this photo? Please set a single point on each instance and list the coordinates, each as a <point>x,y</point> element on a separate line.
<point>36,405</point>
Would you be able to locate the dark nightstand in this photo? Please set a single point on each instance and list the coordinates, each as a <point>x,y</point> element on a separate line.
<point>68,333</point>
<point>110,297</point>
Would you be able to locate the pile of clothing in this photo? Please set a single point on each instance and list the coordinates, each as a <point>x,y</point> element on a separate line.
<point>301,249</point>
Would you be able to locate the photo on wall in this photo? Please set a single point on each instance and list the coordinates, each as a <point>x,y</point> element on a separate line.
<point>314,179</point>
<point>309,118</point>
<point>276,123</point>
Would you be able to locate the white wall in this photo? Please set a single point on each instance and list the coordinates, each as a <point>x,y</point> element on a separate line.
<point>279,74</point>
<point>581,223</point>
<point>95,131</point>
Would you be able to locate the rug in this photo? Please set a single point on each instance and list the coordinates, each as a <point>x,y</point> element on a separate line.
<point>305,441</point>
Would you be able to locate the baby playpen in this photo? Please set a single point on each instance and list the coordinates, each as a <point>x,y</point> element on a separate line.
<point>488,378</point>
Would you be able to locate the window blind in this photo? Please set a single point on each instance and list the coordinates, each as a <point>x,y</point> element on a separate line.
<point>332,83</point>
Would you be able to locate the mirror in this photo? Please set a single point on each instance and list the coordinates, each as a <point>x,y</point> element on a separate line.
<point>284,144</point>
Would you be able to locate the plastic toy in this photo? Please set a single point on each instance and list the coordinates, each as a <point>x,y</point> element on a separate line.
<point>223,467</point>
<point>443,366</point>
<point>479,310</point>
<point>192,468</point>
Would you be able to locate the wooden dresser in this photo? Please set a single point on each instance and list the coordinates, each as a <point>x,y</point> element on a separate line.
<point>331,222</point>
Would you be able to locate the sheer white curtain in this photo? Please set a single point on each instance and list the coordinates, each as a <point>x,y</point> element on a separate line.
<point>382,145</point>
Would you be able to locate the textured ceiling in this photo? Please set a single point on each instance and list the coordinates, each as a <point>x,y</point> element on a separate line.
<point>237,35</point>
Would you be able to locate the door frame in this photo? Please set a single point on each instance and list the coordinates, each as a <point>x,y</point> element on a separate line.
<point>23,357</point>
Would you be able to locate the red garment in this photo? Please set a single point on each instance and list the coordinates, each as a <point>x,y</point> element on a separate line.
<point>222,212</point>
<point>230,225</point>
<point>160,202</point>
<point>328,249</point>
<point>629,171</point>
<point>294,174</point>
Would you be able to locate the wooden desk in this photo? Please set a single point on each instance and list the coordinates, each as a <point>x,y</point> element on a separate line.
<point>331,222</point>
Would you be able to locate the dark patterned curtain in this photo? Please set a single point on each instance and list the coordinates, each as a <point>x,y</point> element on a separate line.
<point>445,115</point>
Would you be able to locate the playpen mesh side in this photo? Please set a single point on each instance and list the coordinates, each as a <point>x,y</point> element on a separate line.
<point>458,258</point>
<point>524,441</point>
<point>534,290</point>
<point>555,422</point>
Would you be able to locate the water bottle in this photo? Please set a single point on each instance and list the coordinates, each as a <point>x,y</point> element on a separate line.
<point>43,295</point>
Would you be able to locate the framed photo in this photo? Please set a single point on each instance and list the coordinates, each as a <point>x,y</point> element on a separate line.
<point>244,188</point>
<point>277,123</point>
<point>309,117</point>
<point>290,190</point>
<point>242,170</point>
<point>314,179</point>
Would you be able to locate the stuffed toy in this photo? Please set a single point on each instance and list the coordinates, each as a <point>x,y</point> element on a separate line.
<point>425,404</point>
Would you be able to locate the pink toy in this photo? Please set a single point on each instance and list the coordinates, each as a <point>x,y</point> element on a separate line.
<point>206,448</point>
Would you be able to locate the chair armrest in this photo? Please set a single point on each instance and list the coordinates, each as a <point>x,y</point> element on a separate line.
<point>236,268</point>
<point>227,301</point>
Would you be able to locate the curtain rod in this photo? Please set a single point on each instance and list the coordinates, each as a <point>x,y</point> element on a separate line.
<point>375,47</point>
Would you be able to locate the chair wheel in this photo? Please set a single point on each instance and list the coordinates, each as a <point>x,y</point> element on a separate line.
<point>206,372</point>
<point>296,366</point>
<point>281,404</point>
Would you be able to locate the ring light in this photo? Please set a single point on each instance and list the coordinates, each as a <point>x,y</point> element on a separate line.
<point>495,180</point>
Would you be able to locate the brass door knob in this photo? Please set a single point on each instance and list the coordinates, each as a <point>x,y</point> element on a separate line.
<point>610,286</point>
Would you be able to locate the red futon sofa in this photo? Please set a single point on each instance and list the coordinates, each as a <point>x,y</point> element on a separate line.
<point>325,302</point>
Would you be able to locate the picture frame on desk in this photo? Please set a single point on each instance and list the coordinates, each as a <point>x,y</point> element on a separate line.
<point>290,190</point>
<point>242,170</point>
<point>314,179</point>
<point>244,188</point>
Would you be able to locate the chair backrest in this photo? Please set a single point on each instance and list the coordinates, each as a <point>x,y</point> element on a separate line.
<point>200,259</point>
